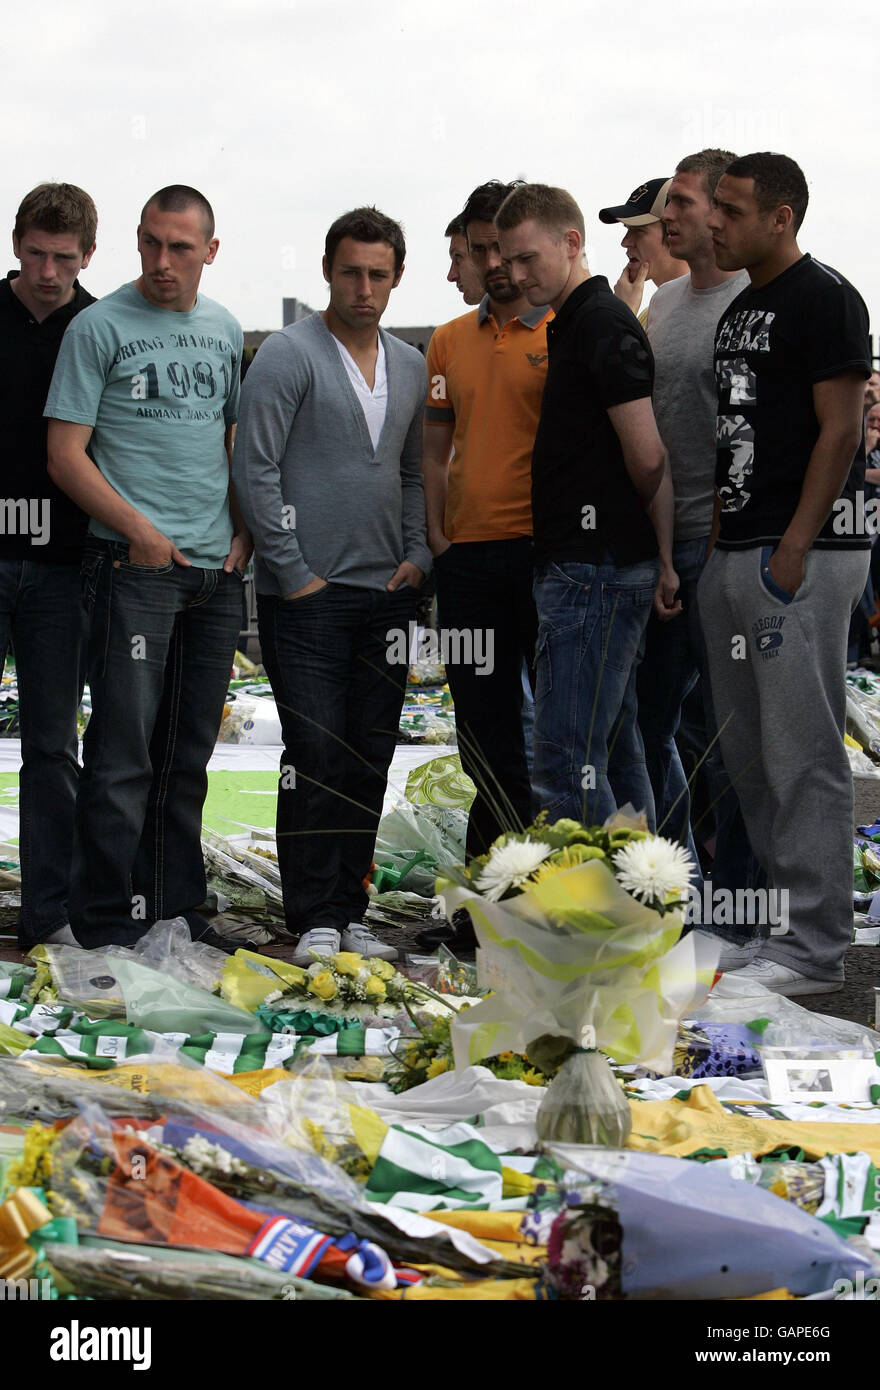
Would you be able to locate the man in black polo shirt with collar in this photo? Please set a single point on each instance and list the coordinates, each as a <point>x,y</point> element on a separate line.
<point>601,501</point>
<point>41,541</point>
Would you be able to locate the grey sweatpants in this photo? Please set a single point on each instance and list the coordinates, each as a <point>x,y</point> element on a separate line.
<point>776,667</point>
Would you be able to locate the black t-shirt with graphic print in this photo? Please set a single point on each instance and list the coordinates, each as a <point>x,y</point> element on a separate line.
<point>584,505</point>
<point>771,346</point>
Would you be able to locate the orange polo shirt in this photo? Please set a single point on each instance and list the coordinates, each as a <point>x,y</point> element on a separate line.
<point>488,382</point>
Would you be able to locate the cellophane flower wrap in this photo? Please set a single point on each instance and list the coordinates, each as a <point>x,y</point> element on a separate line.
<point>575,959</point>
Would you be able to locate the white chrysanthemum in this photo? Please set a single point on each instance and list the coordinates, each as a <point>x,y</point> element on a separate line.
<point>653,869</point>
<point>510,865</point>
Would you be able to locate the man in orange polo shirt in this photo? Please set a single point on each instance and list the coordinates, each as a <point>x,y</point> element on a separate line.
<point>486,374</point>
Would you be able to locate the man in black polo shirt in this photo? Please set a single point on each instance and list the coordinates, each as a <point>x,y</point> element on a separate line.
<point>41,541</point>
<point>601,501</point>
<point>791,358</point>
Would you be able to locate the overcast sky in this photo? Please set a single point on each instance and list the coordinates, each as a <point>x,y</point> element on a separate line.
<point>287,112</point>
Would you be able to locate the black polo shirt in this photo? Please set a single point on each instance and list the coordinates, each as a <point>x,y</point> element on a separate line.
<point>583,502</point>
<point>27,358</point>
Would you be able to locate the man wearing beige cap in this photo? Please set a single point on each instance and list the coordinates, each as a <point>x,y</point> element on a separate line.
<point>648,256</point>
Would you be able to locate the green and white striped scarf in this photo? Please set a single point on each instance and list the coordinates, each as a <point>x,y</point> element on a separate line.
<point>59,1030</point>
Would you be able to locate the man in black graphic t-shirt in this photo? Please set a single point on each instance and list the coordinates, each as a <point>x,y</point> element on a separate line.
<point>789,565</point>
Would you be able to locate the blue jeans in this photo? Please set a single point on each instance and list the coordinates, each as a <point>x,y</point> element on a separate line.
<point>161,647</point>
<point>41,613</point>
<point>669,671</point>
<point>589,757</point>
<point>339,686</point>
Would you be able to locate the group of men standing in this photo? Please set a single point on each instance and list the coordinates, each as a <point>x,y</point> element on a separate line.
<point>594,495</point>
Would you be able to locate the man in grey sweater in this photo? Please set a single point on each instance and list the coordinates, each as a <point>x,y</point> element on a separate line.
<point>327,467</point>
<point>682,318</point>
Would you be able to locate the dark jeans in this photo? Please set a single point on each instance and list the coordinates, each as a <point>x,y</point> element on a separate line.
<point>669,670</point>
<point>589,756</point>
<point>161,647</point>
<point>489,625</point>
<point>41,612</point>
<point>333,661</point>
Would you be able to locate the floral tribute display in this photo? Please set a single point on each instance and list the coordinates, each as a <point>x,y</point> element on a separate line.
<point>579,930</point>
<point>421,1058</point>
<point>344,984</point>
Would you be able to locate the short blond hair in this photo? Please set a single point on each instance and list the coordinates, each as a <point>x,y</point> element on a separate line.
<point>552,208</point>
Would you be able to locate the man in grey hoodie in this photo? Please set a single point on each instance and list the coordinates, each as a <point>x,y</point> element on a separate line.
<point>327,467</point>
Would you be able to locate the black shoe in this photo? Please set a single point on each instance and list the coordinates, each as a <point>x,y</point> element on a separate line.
<point>204,933</point>
<point>457,935</point>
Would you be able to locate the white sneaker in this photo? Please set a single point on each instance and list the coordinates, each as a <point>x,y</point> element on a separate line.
<point>734,957</point>
<point>782,979</point>
<point>356,937</point>
<point>324,941</point>
<point>62,937</point>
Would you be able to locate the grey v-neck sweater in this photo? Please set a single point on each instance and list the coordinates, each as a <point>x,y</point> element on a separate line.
<point>319,500</point>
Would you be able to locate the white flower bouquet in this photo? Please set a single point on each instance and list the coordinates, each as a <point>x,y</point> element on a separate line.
<point>579,930</point>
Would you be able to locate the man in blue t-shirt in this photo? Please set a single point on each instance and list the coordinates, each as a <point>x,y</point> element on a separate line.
<point>142,410</point>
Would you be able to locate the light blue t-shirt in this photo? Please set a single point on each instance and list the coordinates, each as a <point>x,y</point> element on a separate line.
<point>159,388</point>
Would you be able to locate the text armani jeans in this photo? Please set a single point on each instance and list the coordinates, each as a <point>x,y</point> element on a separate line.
<point>161,647</point>
<point>589,756</point>
<point>42,615</point>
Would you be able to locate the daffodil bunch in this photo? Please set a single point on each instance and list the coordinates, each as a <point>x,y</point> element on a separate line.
<point>348,985</point>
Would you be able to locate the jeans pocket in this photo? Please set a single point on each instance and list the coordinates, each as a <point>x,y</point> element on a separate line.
<point>89,574</point>
<point>543,670</point>
<point>125,564</point>
<point>768,583</point>
<point>563,600</point>
<point>571,572</point>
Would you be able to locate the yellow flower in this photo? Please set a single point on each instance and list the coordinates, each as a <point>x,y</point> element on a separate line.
<point>347,962</point>
<point>533,1078</point>
<point>505,1056</point>
<point>567,858</point>
<point>375,988</point>
<point>383,968</point>
<point>323,984</point>
<point>439,1065</point>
